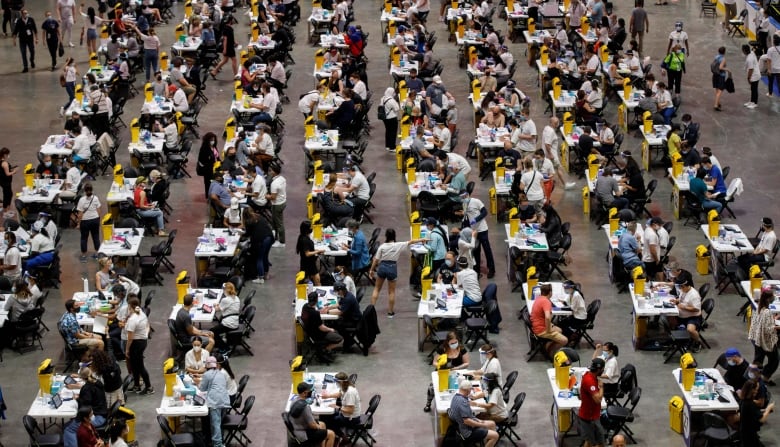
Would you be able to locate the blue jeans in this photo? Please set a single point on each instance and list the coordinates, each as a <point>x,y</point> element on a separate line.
<point>262,117</point>
<point>70,89</point>
<point>667,114</point>
<point>483,243</point>
<point>263,264</point>
<point>154,214</point>
<point>215,416</point>
<point>151,60</point>
<point>708,204</point>
<point>469,302</point>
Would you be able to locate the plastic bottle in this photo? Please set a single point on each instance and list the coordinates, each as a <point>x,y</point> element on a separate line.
<point>86,285</point>
<point>452,380</point>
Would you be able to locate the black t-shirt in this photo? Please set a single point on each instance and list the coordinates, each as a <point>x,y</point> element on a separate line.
<point>735,376</point>
<point>112,377</point>
<point>94,395</point>
<point>585,143</point>
<point>71,125</point>
<point>51,171</point>
<point>749,417</point>
<point>308,264</point>
<point>49,28</point>
<point>349,307</point>
<point>311,322</point>
<point>227,32</point>
<point>526,212</point>
<point>181,323</point>
<point>638,184</point>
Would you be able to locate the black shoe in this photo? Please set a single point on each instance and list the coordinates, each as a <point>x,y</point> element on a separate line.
<point>32,64</point>
<point>427,409</point>
<point>25,70</point>
<point>770,382</point>
<point>147,391</point>
<point>53,68</point>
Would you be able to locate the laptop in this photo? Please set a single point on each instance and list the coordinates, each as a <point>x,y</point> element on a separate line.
<point>56,401</point>
<point>198,400</point>
<point>212,295</point>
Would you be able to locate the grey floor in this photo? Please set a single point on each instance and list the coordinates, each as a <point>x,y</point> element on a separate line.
<point>743,139</point>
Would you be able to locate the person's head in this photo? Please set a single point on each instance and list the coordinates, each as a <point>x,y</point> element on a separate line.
<point>70,306</point>
<point>197,344</point>
<point>229,288</point>
<point>722,51</point>
<point>450,259</point>
<point>610,349</point>
<point>353,226</point>
<point>545,290</point>
<point>749,389</point>
<point>746,49</point>
<point>304,390</point>
<point>767,224</point>
<point>10,238</point>
<point>528,164</point>
<point>491,381</point>
<point>312,298</point>
<point>765,299</point>
<point>619,440</point>
<point>463,263</point>
<point>656,222</point>
<point>683,283</point>
<point>413,73</point>
<point>105,264</point>
<point>452,341</point>
<point>701,172</point>
<point>631,227</point>
<point>430,223</point>
<point>733,356</point>
<point>525,112</point>
<point>539,154</point>
<point>211,362</point>
<point>84,414</point>
<point>390,235</point>
<point>117,429</point>
<point>275,168</point>
<point>597,366</point>
<point>187,300</point>
<point>340,288</point>
<point>343,380</point>
<point>489,351</point>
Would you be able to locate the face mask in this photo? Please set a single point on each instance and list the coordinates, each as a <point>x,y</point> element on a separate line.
<point>196,348</point>
<point>13,289</point>
<point>454,345</point>
<point>159,79</point>
<point>752,375</point>
<point>731,363</point>
<point>605,355</point>
<point>338,277</point>
<point>47,164</point>
<point>232,157</point>
<point>448,262</point>
<point>678,28</point>
<point>92,418</point>
<point>213,143</point>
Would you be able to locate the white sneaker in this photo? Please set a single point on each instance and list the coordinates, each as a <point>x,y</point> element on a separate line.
<point>62,111</point>
<point>752,105</point>
<point>277,244</point>
<point>570,185</point>
<point>70,44</point>
<point>747,103</point>
<point>258,281</point>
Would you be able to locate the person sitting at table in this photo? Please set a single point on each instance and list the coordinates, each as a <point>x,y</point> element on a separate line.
<point>186,332</point>
<point>471,428</point>
<point>426,160</point>
<point>357,191</point>
<point>585,112</point>
<point>763,251</point>
<point>196,27</point>
<point>72,123</point>
<point>651,249</point>
<point>11,264</point>
<point>207,34</point>
<point>103,275</point>
<point>229,308</point>
<point>305,427</point>
<point>147,209</point>
<point>233,215</point>
<point>47,169</point>
<point>267,107</point>
<point>414,83</point>
<point>628,246</point>
<point>159,85</point>
<point>69,325</point>
<point>248,76</point>
<point>348,310</point>
<point>508,153</point>
<point>358,248</point>
<point>80,145</point>
<point>219,194</point>
<point>72,179</point>
<point>317,330</point>
<point>699,189</point>
<point>634,66</point>
<point>418,117</point>
<point>579,313</point>
<point>195,358</point>
<point>608,191</point>
<point>594,94</point>
<point>494,405</point>
<point>468,279</point>
<point>359,89</point>
<point>341,117</point>
<point>445,273</point>
<point>663,102</point>
<point>690,156</point>
<point>753,414</point>
<point>689,308</point>
<point>336,210</point>
<point>715,175</point>
<point>332,56</point>
<point>526,212</point>
<point>494,118</point>
<point>610,376</point>
<point>167,125</point>
<point>514,99</point>
<point>179,99</point>
<point>442,137</point>
<point>20,301</point>
<point>615,79</point>
<point>736,368</point>
<point>334,82</point>
<point>541,322</point>
<point>93,394</point>
<point>632,181</point>
<point>84,423</point>
<point>308,253</point>
<point>231,164</point>
<point>592,63</point>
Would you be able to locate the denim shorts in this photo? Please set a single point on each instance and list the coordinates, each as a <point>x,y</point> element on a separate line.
<point>387,270</point>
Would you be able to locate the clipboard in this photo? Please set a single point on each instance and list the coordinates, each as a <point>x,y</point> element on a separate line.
<point>100,325</point>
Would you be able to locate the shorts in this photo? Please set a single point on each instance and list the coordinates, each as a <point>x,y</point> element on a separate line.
<point>652,268</point>
<point>555,336</point>
<point>697,321</point>
<point>89,342</point>
<point>316,435</point>
<point>718,82</point>
<point>332,338</point>
<point>387,270</point>
<point>477,434</point>
<point>189,90</point>
<point>592,431</point>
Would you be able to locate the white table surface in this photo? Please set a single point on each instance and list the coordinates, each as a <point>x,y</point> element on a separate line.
<point>186,409</point>
<point>567,403</point>
<point>196,313</point>
<point>565,101</point>
<point>68,409</point>
<point>329,297</point>
<point>52,191</point>
<point>206,249</point>
<point>335,40</point>
<point>422,183</point>
<point>649,309</point>
<point>734,233</point>
<point>454,302</point>
<point>341,237</point>
<point>121,194</point>
<point>55,146</point>
<point>114,247</point>
<point>774,307</point>
<point>536,236</point>
<point>263,42</point>
<point>316,143</point>
<point>443,398</point>
<point>156,107</point>
<point>559,299</point>
<point>658,136</point>
<point>323,407</point>
<point>407,67</point>
<point>157,140</point>
<point>613,240</point>
<point>502,186</point>
<point>191,43</point>
<point>697,404</point>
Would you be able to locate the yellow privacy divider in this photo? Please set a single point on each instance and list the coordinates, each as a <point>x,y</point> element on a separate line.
<point>604,53</point>
<point>297,368</point>
<point>493,201</point>
<point>556,85</point>
<point>300,285</point>
<point>182,284</point>
<point>626,88</point>
<point>514,222</point>
<point>702,260</point>
<point>476,88</point>
<point>119,175</point>
<point>562,367</point>
<point>647,122</point>
<point>531,26</point>
<point>568,123</point>
<point>425,281</point>
<point>108,226</point>
<point>230,128</point>
<point>687,370</point>
<point>406,121</point>
<point>756,277</point>
<point>45,376</point>
<point>444,373</point>
<point>318,172</point>
<point>544,55</point>
<point>593,165</point>
<point>676,405</point>
<point>677,164</point>
<point>713,220</point>
<point>169,374</point>
<point>308,127</point>
<point>500,169</point>
<point>638,273</point>
<point>415,220</point>
<point>613,220</point>
<point>585,200</point>
<point>309,206</point>
<point>319,58</point>
<point>29,175</point>
<point>402,90</point>
<point>411,173</point>
<point>584,25</point>
<point>316,226</point>
<point>531,278</point>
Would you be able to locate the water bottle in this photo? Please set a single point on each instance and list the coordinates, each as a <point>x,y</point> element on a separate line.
<point>309,287</point>
<point>86,285</point>
<point>452,380</point>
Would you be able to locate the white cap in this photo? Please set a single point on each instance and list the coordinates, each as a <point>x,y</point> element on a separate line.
<point>437,79</point>
<point>234,203</point>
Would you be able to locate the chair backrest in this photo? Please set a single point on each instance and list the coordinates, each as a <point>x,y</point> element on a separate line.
<point>734,189</point>
<point>651,187</point>
<point>249,314</point>
<point>565,244</point>
<point>289,426</point>
<point>429,323</point>
<point>519,399</point>
<point>490,308</point>
<point>149,298</point>
<point>565,227</point>
<point>628,380</point>
<point>713,420</point>
<point>633,397</point>
<point>373,404</point>
<point>707,306</point>
<point>670,245</point>
<point>126,384</point>
<point>242,383</point>
<point>31,426</point>
<point>166,429</point>
<point>505,396</point>
<point>248,404</point>
<point>668,226</point>
<point>704,290</point>
<point>248,298</point>
<point>725,171</point>
<point>510,381</point>
<point>593,310</point>
<point>721,361</point>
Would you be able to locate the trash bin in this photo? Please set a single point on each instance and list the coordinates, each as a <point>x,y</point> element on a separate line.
<point>675,414</point>
<point>702,260</point>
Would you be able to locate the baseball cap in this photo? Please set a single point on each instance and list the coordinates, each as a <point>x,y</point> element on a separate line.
<point>234,203</point>
<point>674,265</point>
<point>437,79</point>
<point>596,364</point>
<point>629,51</point>
<point>171,88</point>
<point>154,174</point>
<point>429,221</point>
<point>656,221</point>
<point>304,387</point>
<point>337,286</point>
<point>732,352</point>
<point>767,221</point>
<point>211,362</point>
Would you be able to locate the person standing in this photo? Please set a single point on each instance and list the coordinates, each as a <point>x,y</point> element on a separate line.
<point>763,31</point>
<point>278,198</point>
<point>52,37</point>
<point>772,57</point>
<point>678,37</point>
<point>66,11</point>
<point>675,67</point>
<point>763,335</point>
<point>151,51</point>
<point>474,214</point>
<point>207,157</point>
<point>89,220</point>
<point>391,118</point>
<point>228,48</point>
<point>639,24</point>
<point>6,178</point>
<point>27,32</point>
<point>214,384</point>
<point>753,75</point>
<point>720,73</point>
<point>7,17</point>
<point>591,394</point>
<point>752,416</point>
<point>384,267</point>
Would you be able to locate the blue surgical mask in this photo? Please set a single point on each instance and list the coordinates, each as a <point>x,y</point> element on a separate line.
<point>448,262</point>
<point>454,345</point>
<point>47,164</point>
<point>752,375</point>
<point>731,362</point>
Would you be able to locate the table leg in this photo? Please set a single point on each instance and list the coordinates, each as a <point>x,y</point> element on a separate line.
<point>676,201</point>
<point>640,331</point>
<point>420,334</point>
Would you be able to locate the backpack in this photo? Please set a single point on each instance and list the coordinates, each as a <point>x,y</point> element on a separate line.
<point>715,65</point>
<point>381,113</point>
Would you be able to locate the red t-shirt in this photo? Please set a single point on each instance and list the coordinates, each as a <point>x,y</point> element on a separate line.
<point>538,323</point>
<point>590,410</point>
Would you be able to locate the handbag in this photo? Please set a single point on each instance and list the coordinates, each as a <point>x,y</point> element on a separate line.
<point>730,85</point>
<point>61,50</point>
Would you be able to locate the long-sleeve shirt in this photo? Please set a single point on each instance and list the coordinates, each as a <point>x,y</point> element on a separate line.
<point>214,384</point>
<point>359,251</point>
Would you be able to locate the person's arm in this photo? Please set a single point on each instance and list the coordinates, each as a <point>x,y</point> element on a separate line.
<point>647,24</point>
<point>130,337</point>
<point>548,321</point>
<point>598,395</point>
<point>769,408</point>
<point>7,169</point>
<point>193,331</point>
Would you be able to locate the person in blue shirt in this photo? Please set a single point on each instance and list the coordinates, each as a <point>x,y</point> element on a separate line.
<point>358,250</point>
<point>214,384</point>
<point>699,189</point>
<point>437,242</point>
<point>716,181</point>
<point>629,248</point>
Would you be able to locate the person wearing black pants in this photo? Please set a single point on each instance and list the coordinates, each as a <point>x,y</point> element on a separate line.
<point>27,33</point>
<point>391,118</point>
<point>207,156</point>
<point>89,220</point>
<point>6,178</point>
<point>7,17</point>
<point>474,213</point>
<point>137,326</point>
<point>753,74</point>
<point>51,35</point>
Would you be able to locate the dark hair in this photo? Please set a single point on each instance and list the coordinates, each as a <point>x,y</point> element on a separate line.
<point>749,386</point>
<point>11,236</point>
<point>492,382</point>
<point>722,50</point>
<point>390,235</point>
<point>4,152</point>
<point>223,361</point>
<point>303,237</point>
<point>91,15</point>
<point>611,347</point>
<point>545,289</point>
<point>187,300</point>
<point>70,304</point>
<point>101,362</point>
<point>767,296</point>
<point>701,173</point>
<point>83,414</point>
<point>116,429</point>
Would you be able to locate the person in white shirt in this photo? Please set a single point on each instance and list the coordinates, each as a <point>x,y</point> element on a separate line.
<point>488,359</point>
<point>358,191</point>
<point>442,137</point>
<point>651,250</point>
<point>40,242</point>
<point>264,142</point>
<point>171,131</point>
<point>179,98</point>
<point>633,64</point>
<point>502,66</point>
<point>88,209</point>
<point>663,99</point>
<point>72,181</point>
<point>384,267</point>
<point>550,146</point>
<point>277,70</point>
<point>474,215</point>
<point>278,198</point>
<point>267,107</point>
<point>11,267</point>
<point>528,132</point>
<point>358,86</point>
<point>466,245</point>
<point>341,12</point>
<point>460,161</point>
<point>81,148</point>
<point>592,64</point>
<point>678,37</point>
<point>530,183</point>
<point>595,97</point>
<point>309,101</point>
<point>543,165</point>
<point>469,280</point>
<point>560,36</point>
<point>258,200</point>
<point>51,228</point>
<point>763,251</point>
<point>753,75</point>
<point>772,58</point>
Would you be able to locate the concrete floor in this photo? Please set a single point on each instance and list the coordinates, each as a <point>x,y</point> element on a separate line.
<point>394,369</point>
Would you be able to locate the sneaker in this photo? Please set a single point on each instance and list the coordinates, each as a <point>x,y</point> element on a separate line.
<point>390,315</point>
<point>32,64</point>
<point>147,391</point>
<point>258,281</point>
<point>25,70</point>
<point>70,44</point>
<point>162,234</point>
<point>83,259</point>
<point>417,295</point>
<point>278,244</point>
<point>62,112</point>
<point>570,185</point>
<point>136,390</point>
<point>390,149</point>
<point>747,103</point>
<point>752,105</point>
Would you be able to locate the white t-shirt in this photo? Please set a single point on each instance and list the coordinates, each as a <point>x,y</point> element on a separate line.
<point>390,251</point>
<point>351,398</point>
<point>81,147</point>
<point>767,242</point>
<point>360,89</point>
<point>306,104</point>
<point>66,8</point>
<point>664,97</point>
<point>593,64</point>
<point>269,102</point>
<point>472,208</point>
<point>544,167</point>
<point>678,38</point>
<point>492,365</point>
<point>258,186</point>
<point>611,371</point>
<point>180,101</point>
<point>532,181</point>
<point>265,145</point>
<point>469,280</point>
<point>13,257</point>
<point>528,128</point>
<point>650,237</point>
<point>459,161</point>
<point>279,187</point>
<point>362,189</point>
<point>443,134</point>
<point>751,62</point>
<point>89,207</point>
<point>41,243</point>
<point>550,139</point>
<point>138,324</point>
<point>73,178</point>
